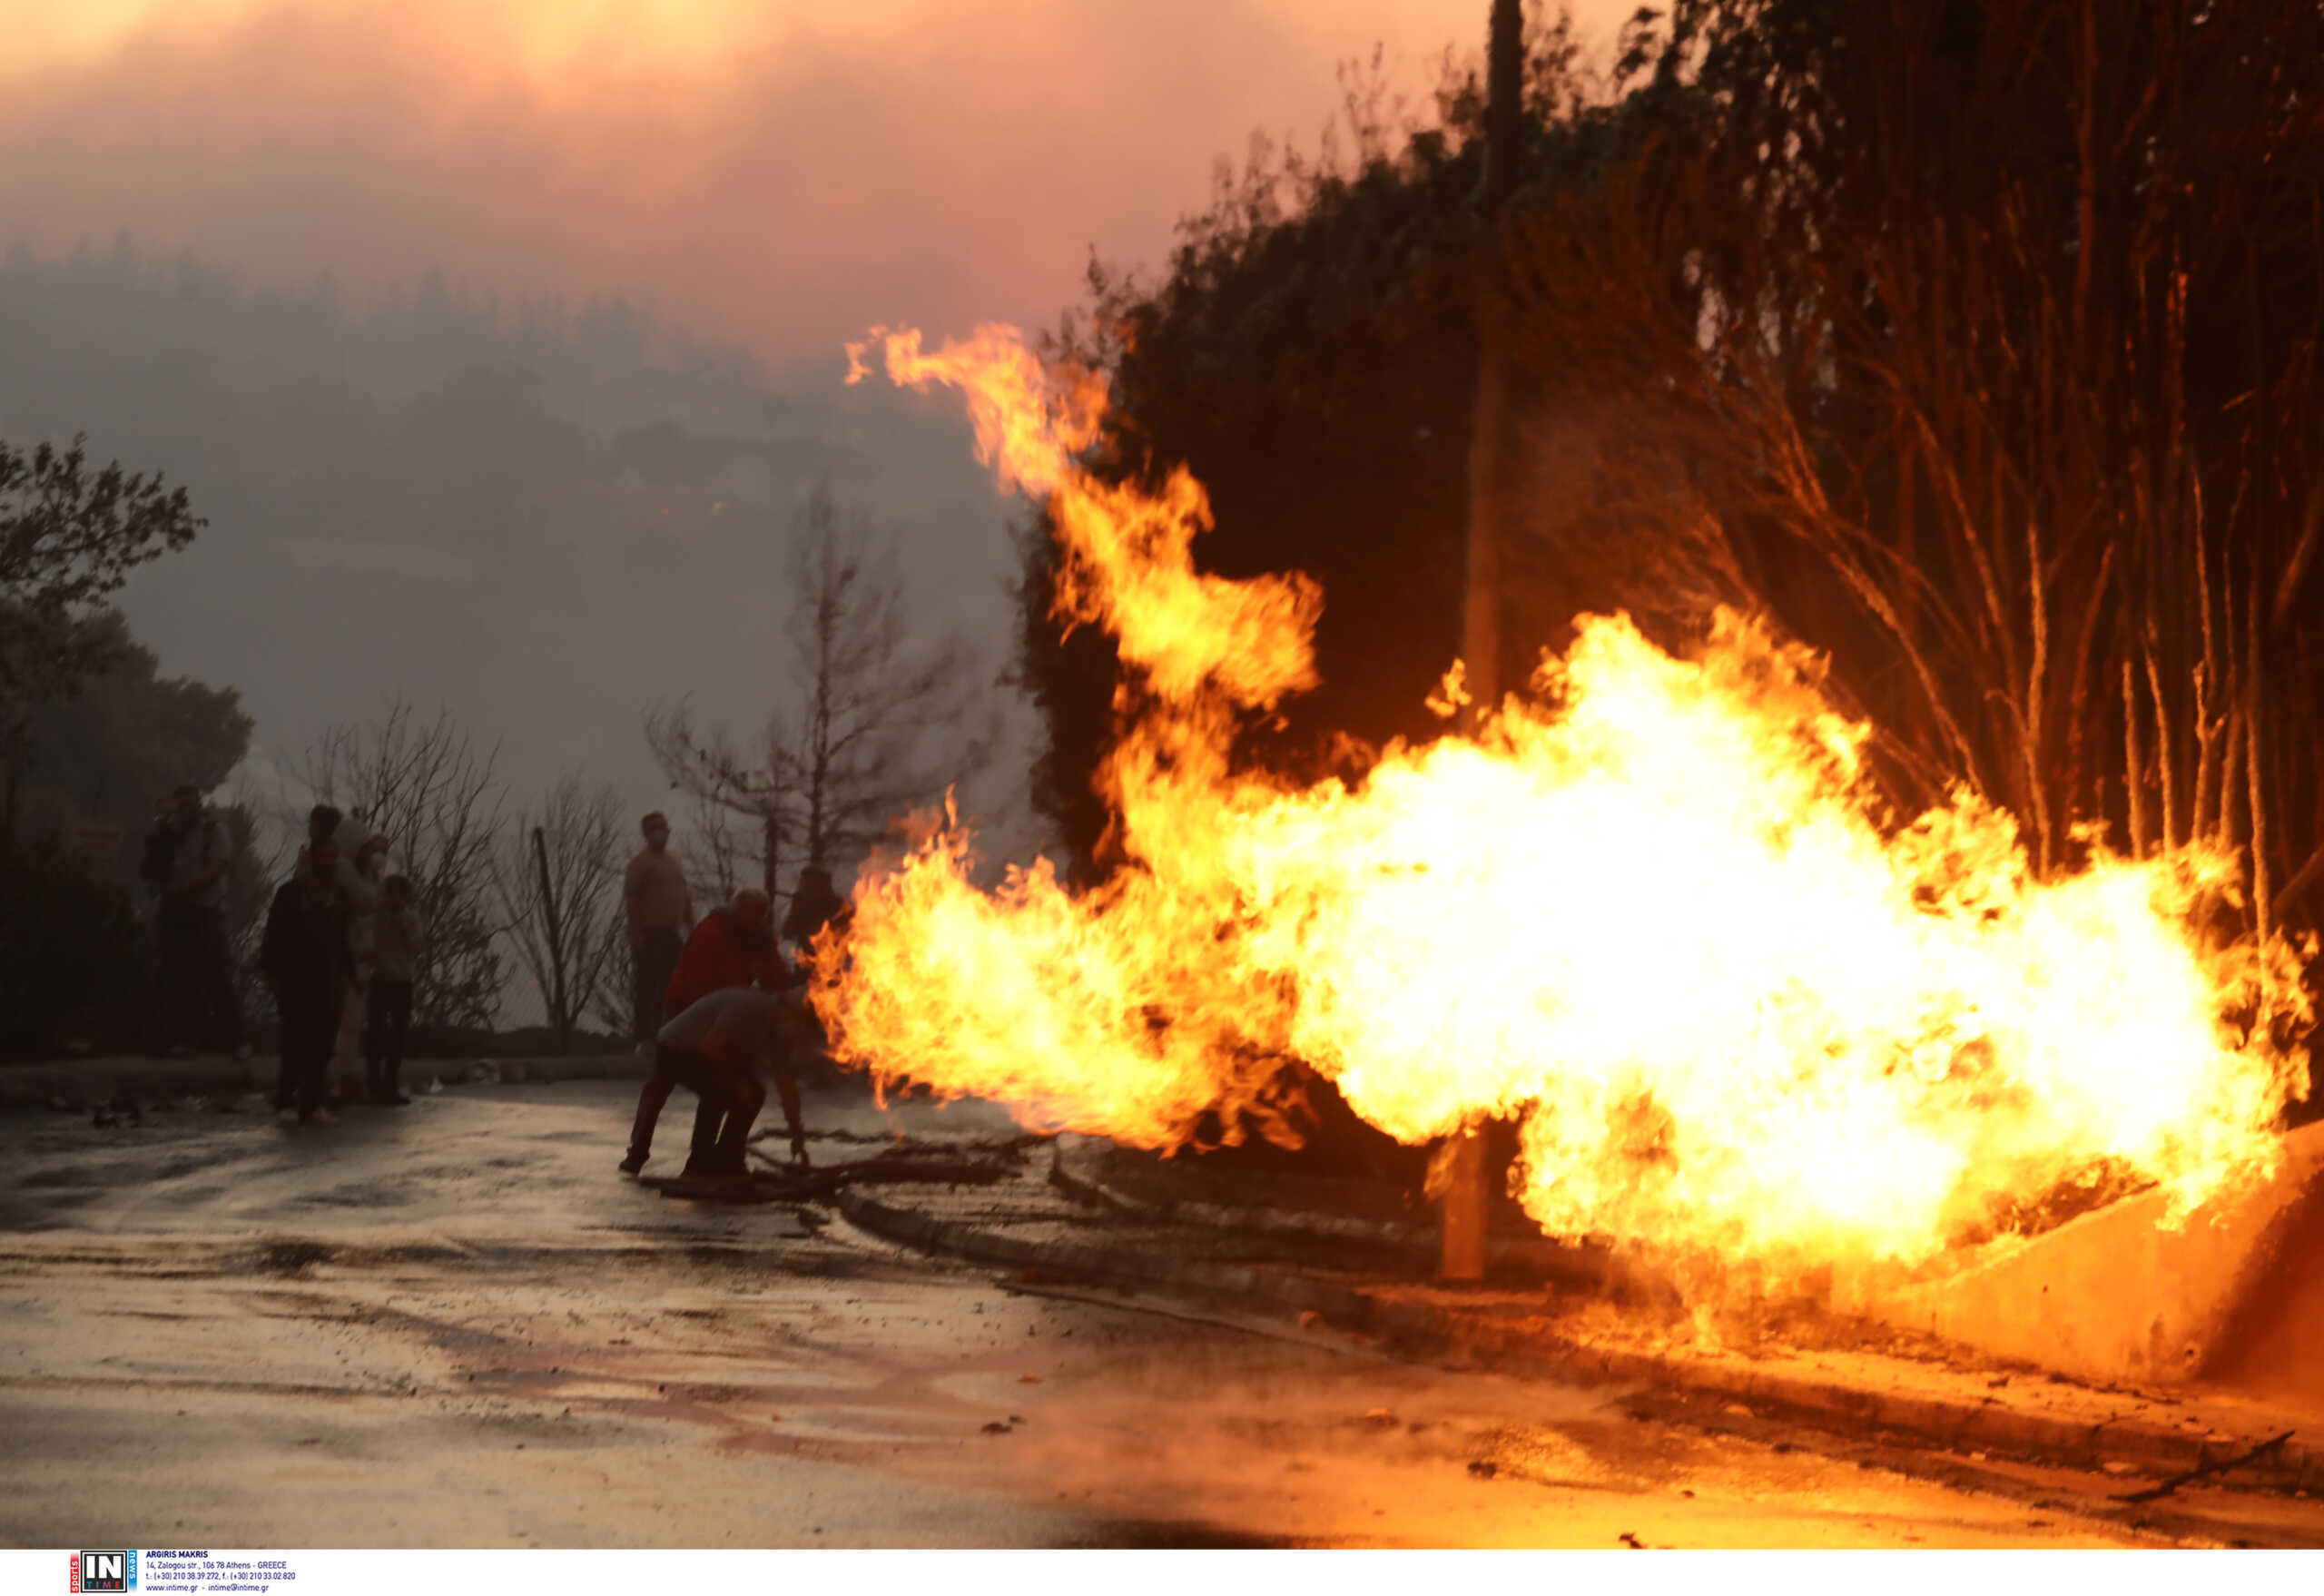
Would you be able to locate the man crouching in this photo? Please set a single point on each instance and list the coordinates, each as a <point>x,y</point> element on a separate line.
<point>715,1048</point>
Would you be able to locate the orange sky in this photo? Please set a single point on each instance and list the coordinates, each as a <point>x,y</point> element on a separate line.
<point>776,174</point>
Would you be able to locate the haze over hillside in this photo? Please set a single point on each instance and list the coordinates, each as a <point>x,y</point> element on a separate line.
<point>546,517</point>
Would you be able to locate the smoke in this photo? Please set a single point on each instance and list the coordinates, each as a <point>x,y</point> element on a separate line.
<point>779,175</point>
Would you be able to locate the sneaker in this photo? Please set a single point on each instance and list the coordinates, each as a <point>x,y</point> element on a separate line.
<point>632,1164</point>
<point>322,1116</point>
<point>286,1116</point>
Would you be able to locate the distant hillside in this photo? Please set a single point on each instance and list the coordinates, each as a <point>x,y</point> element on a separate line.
<point>547,517</point>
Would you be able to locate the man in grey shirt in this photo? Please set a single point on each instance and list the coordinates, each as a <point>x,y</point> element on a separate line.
<point>658,911</point>
<point>715,1049</point>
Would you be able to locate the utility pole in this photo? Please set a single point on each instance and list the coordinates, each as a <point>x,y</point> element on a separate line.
<point>1462,1174</point>
<point>553,927</point>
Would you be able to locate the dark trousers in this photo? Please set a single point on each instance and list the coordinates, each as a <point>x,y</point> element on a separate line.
<point>653,961</point>
<point>309,1031</point>
<point>730,1100</point>
<point>387,1021</point>
<point>199,1003</point>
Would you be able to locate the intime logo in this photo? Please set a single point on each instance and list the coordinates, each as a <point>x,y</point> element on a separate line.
<point>105,1571</point>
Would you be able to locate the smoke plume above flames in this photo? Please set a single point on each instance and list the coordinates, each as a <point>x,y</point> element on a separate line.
<point>1648,909</point>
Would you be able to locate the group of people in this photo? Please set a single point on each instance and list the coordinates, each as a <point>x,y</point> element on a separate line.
<point>342,941</point>
<point>714,1003</point>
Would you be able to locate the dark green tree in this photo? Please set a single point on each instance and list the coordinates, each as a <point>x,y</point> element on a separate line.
<point>69,538</point>
<point>126,738</point>
<point>1311,358</point>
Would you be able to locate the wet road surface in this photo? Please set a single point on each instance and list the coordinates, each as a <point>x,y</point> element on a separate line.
<point>456,1324</point>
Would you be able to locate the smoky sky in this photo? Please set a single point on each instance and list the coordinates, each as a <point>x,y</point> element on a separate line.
<point>774,177</point>
<point>777,175</point>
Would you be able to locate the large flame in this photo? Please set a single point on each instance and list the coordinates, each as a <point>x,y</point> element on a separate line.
<point>1649,910</point>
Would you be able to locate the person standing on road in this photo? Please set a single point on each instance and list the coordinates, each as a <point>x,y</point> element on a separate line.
<point>814,904</point>
<point>305,957</point>
<point>362,865</point>
<point>395,950</point>
<point>660,912</point>
<point>185,865</point>
<point>715,1048</point>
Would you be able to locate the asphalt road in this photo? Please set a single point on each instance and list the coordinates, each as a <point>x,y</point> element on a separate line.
<point>456,1324</point>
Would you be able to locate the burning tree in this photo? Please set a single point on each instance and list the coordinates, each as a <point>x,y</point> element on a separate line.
<point>1977,343</point>
<point>1856,1040</point>
<point>1897,361</point>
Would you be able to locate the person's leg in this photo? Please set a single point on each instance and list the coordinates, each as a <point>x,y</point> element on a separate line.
<point>375,1042</point>
<point>286,1077</point>
<point>659,961</point>
<point>181,970</point>
<point>641,992</point>
<point>743,1109</point>
<point>399,1008</point>
<point>221,993</point>
<point>709,1114</point>
<point>308,1019</point>
<point>347,1039</point>
<point>720,1091</point>
<point>318,1027</point>
<point>650,1097</point>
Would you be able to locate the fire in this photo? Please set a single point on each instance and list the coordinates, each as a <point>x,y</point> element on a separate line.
<point>1648,909</point>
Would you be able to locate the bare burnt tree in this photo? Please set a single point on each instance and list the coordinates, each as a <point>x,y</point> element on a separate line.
<point>870,722</point>
<point>435,794</point>
<point>555,877</point>
<point>1988,336</point>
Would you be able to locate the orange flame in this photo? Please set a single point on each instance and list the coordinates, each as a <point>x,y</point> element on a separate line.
<point>1651,913</point>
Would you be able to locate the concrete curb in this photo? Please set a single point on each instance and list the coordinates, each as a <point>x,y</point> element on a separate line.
<point>1830,1406</point>
<point>90,1082</point>
<point>1416,1241</point>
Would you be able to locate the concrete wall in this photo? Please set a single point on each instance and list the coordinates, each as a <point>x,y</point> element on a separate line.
<point>2114,1296</point>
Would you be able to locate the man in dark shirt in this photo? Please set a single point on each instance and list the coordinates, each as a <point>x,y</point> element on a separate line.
<point>304,954</point>
<point>185,866</point>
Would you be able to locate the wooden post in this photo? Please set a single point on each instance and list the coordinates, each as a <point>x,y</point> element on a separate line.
<point>553,926</point>
<point>1462,1172</point>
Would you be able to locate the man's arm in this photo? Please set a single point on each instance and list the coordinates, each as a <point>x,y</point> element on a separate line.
<point>787,1086</point>
<point>270,947</point>
<point>632,883</point>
